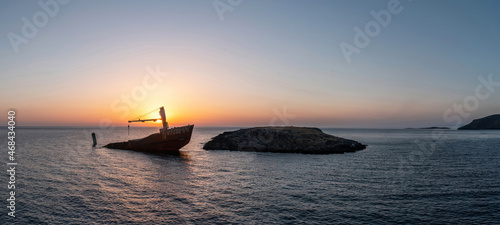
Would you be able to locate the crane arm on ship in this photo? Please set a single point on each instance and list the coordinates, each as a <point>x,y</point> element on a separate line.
<point>146,120</point>
<point>163,119</point>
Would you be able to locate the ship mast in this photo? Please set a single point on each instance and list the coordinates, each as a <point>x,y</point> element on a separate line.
<point>163,119</point>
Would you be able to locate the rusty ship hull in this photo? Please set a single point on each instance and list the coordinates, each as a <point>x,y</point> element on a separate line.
<point>167,141</point>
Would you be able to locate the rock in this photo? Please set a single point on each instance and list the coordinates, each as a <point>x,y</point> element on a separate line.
<point>282,139</point>
<point>487,123</point>
<point>429,128</point>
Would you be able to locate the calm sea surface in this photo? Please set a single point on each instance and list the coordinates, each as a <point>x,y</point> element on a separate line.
<point>404,176</point>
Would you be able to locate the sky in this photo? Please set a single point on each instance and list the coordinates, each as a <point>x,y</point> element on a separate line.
<point>250,63</point>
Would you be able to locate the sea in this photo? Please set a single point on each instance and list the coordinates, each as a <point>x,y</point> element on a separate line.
<point>402,177</point>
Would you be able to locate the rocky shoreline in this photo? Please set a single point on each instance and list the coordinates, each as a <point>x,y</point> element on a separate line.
<point>304,140</point>
<point>486,123</point>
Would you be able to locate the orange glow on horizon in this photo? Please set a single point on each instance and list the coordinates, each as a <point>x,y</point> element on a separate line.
<point>192,98</point>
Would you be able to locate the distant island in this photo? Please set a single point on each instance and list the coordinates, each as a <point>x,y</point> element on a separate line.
<point>429,128</point>
<point>486,123</point>
<point>304,140</point>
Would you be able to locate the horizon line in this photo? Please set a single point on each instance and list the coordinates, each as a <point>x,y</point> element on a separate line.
<point>352,128</point>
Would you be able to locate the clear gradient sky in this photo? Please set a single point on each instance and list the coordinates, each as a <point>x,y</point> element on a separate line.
<point>244,70</point>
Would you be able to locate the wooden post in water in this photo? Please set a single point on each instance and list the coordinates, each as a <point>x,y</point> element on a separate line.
<point>94,139</point>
